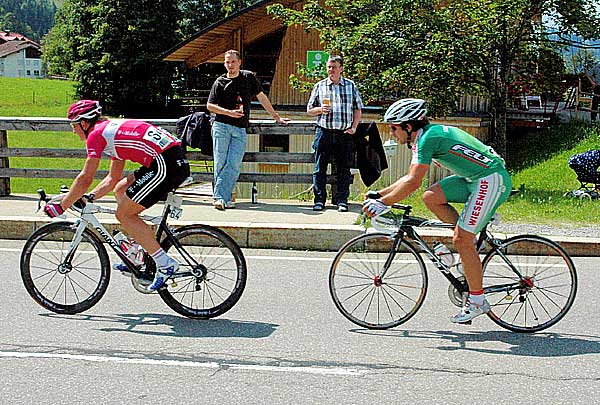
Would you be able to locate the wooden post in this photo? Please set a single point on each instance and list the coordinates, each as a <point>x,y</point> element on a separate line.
<point>4,181</point>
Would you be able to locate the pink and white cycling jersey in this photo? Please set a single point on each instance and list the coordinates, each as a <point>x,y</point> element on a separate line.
<point>132,140</point>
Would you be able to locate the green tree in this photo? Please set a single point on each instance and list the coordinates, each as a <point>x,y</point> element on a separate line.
<point>60,44</point>
<point>581,61</point>
<point>32,18</point>
<point>441,49</point>
<point>112,49</point>
<point>196,15</point>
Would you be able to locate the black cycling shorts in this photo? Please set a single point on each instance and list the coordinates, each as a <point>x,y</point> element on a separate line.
<point>164,174</point>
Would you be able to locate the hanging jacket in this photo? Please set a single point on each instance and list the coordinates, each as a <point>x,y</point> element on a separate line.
<point>194,130</point>
<point>370,155</point>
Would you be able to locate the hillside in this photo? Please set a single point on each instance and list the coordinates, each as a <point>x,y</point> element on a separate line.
<point>32,18</point>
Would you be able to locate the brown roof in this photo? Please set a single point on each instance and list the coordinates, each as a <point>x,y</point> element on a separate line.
<point>11,47</point>
<point>220,36</point>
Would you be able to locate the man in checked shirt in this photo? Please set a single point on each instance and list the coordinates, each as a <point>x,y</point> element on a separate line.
<point>336,103</point>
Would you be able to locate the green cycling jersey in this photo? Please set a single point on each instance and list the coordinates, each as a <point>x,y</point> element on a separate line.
<point>456,150</point>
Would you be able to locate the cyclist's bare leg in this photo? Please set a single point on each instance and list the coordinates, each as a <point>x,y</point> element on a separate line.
<point>435,200</point>
<point>128,215</point>
<point>463,242</point>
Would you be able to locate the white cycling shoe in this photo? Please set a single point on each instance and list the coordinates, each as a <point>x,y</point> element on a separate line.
<point>470,311</point>
<point>162,275</point>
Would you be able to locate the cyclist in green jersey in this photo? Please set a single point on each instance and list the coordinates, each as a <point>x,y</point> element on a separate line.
<point>480,181</point>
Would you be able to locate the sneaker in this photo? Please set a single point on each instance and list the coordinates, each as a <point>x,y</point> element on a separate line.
<point>318,207</point>
<point>343,207</point>
<point>470,311</point>
<point>229,204</point>
<point>162,275</point>
<point>219,204</point>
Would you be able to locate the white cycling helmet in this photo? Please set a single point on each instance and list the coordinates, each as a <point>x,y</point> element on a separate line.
<point>406,109</point>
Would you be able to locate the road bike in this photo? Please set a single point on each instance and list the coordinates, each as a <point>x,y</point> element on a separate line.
<point>66,269</point>
<point>378,280</point>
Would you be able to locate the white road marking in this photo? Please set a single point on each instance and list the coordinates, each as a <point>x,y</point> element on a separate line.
<point>189,364</point>
<point>318,259</point>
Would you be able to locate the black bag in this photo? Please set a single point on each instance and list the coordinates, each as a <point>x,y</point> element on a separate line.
<point>194,130</point>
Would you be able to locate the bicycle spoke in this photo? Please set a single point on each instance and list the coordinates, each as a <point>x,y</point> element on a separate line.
<point>216,265</point>
<point>534,303</point>
<point>81,285</point>
<point>365,298</point>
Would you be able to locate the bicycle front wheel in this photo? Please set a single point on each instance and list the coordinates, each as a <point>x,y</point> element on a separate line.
<point>542,291</point>
<point>61,285</point>
<point>213,271</point>
<point>363,296</point>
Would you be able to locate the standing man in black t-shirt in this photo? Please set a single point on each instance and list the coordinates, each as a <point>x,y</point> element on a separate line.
<point>229,99</point>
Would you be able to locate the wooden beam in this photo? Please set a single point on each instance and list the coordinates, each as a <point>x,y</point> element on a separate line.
<point>269,127</point>
<point>47,173</point>
<point>43,152</point>
<point>262,157</point>
<point>260,28</point>
<point>284,178</point>
<point>214,48</point>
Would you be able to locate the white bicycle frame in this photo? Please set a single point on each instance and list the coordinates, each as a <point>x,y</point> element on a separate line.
<point>88,219</point>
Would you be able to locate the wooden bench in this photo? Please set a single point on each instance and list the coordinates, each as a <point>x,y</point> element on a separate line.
<point>304,128</point>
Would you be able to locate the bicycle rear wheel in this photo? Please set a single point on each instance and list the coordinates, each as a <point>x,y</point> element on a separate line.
<point>64,287</point>
<point>214,271</point>
<point>362,296</point>
<point>542,294</point>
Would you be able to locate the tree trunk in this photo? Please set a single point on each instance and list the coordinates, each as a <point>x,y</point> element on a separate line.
<point>498,131</point>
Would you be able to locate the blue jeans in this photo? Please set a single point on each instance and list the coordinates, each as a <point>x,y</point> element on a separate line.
<point>229,145</point>
<point>332,142</point>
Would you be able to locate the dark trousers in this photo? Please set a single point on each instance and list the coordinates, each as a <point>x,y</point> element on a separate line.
<point>328,143</point>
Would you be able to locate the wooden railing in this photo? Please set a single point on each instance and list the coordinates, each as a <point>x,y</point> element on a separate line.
<point>58,124</point>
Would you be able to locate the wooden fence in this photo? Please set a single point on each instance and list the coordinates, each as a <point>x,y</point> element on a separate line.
<point>301,128</point>
<point>278,174</point>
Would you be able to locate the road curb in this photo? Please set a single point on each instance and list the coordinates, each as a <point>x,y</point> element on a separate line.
<point>317,237</point>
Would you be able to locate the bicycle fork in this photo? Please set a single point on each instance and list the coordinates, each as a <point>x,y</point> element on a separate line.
<point>66,266</point>
<point>388,261</point>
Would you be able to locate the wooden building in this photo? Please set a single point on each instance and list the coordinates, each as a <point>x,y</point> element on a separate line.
<point>267,47</point>
<point>272,51</point>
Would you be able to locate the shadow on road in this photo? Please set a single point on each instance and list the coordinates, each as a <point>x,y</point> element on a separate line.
<point>153,325</point>
<point>518,344</point>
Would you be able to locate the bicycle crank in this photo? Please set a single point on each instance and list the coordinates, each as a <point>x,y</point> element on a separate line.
<point>456,297</point>
<point>141,285</point>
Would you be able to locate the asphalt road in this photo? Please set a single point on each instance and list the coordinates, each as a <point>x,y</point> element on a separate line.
<point>285,342</point>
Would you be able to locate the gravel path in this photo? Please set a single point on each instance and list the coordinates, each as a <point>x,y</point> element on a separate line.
<point>548,230</point>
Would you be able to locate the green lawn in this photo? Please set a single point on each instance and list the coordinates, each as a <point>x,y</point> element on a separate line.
<point>39,98</point>
<point>35,97</point>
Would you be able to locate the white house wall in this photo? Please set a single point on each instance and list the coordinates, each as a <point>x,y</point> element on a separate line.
<point>17,65</point>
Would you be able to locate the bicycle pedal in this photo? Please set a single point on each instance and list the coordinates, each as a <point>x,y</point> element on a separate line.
<point>174,284</point>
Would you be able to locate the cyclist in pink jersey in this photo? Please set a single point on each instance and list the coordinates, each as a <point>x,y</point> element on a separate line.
<point>164,167</point>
